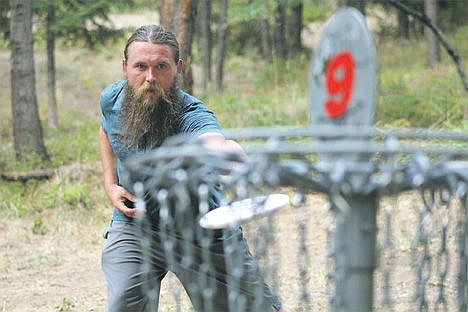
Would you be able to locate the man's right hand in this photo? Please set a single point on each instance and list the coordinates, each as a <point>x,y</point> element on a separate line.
<point>118,195</point>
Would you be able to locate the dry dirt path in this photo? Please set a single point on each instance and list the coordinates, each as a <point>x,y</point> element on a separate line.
<point>58,271</point>
<point>61,270</point>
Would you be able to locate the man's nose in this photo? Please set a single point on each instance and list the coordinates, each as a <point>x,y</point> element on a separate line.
<point>151,75</point>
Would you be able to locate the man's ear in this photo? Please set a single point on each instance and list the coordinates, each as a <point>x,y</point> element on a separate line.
<point>124,66</point>
<point>180,66</point>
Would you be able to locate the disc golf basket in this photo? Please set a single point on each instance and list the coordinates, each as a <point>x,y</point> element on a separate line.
<point>378,254</point>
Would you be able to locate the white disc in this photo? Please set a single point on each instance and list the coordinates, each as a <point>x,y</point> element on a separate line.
<point>243,210</point>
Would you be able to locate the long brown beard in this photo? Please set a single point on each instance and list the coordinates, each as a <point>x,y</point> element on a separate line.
<point>147,118</point>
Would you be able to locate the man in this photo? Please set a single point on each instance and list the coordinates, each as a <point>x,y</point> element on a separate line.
<point>138,114</point>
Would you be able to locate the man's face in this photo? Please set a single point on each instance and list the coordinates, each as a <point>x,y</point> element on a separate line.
<point>150,65</point>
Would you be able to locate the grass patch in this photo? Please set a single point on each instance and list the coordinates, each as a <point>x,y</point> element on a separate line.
<point>412,95</point>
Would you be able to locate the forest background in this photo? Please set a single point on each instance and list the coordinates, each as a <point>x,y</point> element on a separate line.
<point>256,74</point>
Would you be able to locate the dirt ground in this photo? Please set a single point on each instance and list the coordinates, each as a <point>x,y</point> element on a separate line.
<point>58,271</point>
<point>61,270</point>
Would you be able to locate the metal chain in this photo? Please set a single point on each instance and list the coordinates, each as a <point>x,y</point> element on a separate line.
<point>442,205</point>
<point>299,202</point>
<point>387,254</point>
<point>462,242</point>
<point>329,225</point>
<point>145,236</point>
<point>206,281</point>
<point>421,250</point>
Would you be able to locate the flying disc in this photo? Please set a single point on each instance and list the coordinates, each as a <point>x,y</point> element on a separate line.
<point>243,211</point>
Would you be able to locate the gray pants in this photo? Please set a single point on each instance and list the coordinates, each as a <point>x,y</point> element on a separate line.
<point>223,276</point>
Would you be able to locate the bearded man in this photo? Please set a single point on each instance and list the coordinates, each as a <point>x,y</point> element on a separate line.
<point>138,114</point>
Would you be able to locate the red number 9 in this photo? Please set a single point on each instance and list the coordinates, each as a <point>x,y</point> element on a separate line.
<point>339,76</point>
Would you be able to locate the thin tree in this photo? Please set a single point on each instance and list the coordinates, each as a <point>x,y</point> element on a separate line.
<point>52,119</point>
<point>266,39</point>
<point>266,46</point>
<point>279,31</point>
<point>295,28</point>
<point>403,25</point>
<point>27,130</point>
<point>205,38</point>
<point>433,53</point>
<point>222,38</point>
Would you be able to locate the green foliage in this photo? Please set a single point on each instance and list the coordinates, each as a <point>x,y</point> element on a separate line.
<point>452,14</point>
<point>82,146</point>
<point>264,94</point>
<point>411,95</point>
<point>66,195</point>
<point>74,140</point>
<point>317,11</point>
<point>84,22</point>
<point>66,305</point>
<point>245,17</point>
<point>242,11</point>
<point>76,194</point>
<point>81,21</point>
<point>39,227</point>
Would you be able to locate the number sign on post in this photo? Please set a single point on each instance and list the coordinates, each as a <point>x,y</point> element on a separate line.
<point>343,74</point>
<point>342,98</point>
<point>339,75</point>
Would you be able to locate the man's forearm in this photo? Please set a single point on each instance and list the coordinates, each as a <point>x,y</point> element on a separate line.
<point>108,160</point>
<point>117,194</point>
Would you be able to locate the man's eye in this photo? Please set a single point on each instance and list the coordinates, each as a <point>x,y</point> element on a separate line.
<point>161,66</point>
<point>141,66</point>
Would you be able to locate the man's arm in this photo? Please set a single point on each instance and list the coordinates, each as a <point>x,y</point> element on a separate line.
<point>116,193</point>
<point>218,142</point>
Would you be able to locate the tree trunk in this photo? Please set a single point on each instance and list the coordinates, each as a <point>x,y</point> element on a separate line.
<point>166,13</point>
<point>295,28</point>
<point>280,24</point>
<point>205,20</point>
<point>179,15</point>
<point>222,37</point>
<point>27,129</point>
<point>266,40</point>
<point>403,25</point>
<point>433,53</point>
<point>51,94</point>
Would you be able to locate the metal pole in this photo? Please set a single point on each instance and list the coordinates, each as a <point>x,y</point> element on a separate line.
<point>355,239</point>
<point>343,93</point>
